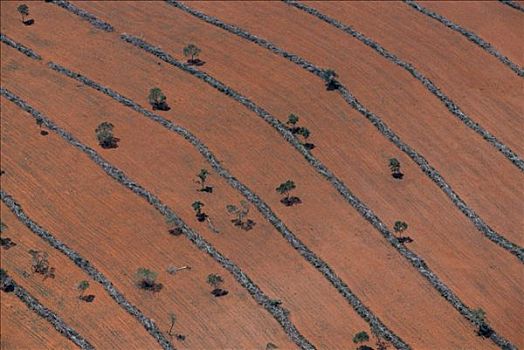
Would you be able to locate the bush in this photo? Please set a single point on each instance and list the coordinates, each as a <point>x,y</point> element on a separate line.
<point>146,279</point>
<point>157,99</point>
<point>104,135</point>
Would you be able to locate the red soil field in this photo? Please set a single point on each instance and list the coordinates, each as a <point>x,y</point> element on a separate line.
<point>106,325</point>
<point>470,264</point>
<point>268,261</point>
<point>85,206</point>
<point>390,294</point>
<point>420,119</point>
<point>487,277</point>
<point>23,329</point>
<point>498,24</point>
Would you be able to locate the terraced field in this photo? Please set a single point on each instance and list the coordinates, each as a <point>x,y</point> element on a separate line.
<point>437,86</point>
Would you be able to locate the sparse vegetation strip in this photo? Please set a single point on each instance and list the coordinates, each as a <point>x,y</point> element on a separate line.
<point>354,103</point>
<point>366,212</point>
<point>8,285</point>
<point>26,51</point>
<point>513,4</point>
<point>279,313</point>
<point>83,14</point>
<point>262,207</point>
<point>430,86</point>
<point>469,35</point>
<point>79,261</point>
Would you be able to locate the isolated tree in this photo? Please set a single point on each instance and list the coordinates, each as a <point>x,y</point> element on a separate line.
<point>360,337</point>
<point>202,177</point>
<point>240,214</point>
<point>394,165</point>
<point>479,315</point>
<point>285,188</point>
<point>146,279</point>
<point>292,120</point>
<point>40,264</point>
<point>157,99</point>
<point>191,50</point>
<point>399,227</point>
<point>24,11</point>
<point>304,132</point>
<point>82,287</point>
<point>330,78</point>
<point>104,135</point>
<point>40,122</point>
<point>197,207</point>
<point>215,280</point>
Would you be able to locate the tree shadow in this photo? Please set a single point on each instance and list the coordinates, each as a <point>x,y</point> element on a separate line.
<point>88,298</point>
<point>332,85</point>
<point>7,243</point>
<point>29,22</point>
<point>398,175</point>
<point>201,217</point>
<point>219,292</point>
<point>290,201</point>
<point>208,189</point>
<point>150,286</point>
<point>406,239</point>
<point>309,146</point>
<point>110,144</point>
<point>160,107</point>
<point>44,132</point>
<point>246,226</point>
<point>484,331</point>
<point>196,62</point>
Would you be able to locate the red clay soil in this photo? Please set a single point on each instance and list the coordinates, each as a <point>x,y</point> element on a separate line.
<point>471,265</point>
<point>464,159</point>
<point>475,80</point>
<point>85,209</point>
<point>399,296</point>
<point>24,329</point>
<point>274,265</point>
<point>498,24</point>
<point>102,322</point>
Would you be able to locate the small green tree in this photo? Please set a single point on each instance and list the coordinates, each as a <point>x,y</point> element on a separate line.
<point>360,337</point>
<point>479,315</point>
<point>292,120</point>
<point>24,11</point>
<point>399,227</point>
<point>285,188</point>
<point>214,280</point>
<point>394,165</point>
<point>104,135</point>
<point>157,99</point>
<point>146,279</point>
<point>241,212</point>
<point>82,287</point>
<point>202,177</point>
<point>304,132</point>
<point>191,50</point>
<point>197,207</point>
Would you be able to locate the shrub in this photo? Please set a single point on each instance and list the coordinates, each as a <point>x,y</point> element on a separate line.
<point>292,119</point>
<point>240,213</point>
<point>285,188</point>
<point>40,264</point>
<point>197,207</point>
<point>146,279</point>
<point>399,227</point>
<point>394,165</point>
<point>82,287</point>
<point>479,315</point>
<point>202,177</point>
<point>191,50</point>
<point>23,10</point>
<point>157,99</point>
<point>360,337</point>
<point>215,281</point>
<point>104,135</point>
